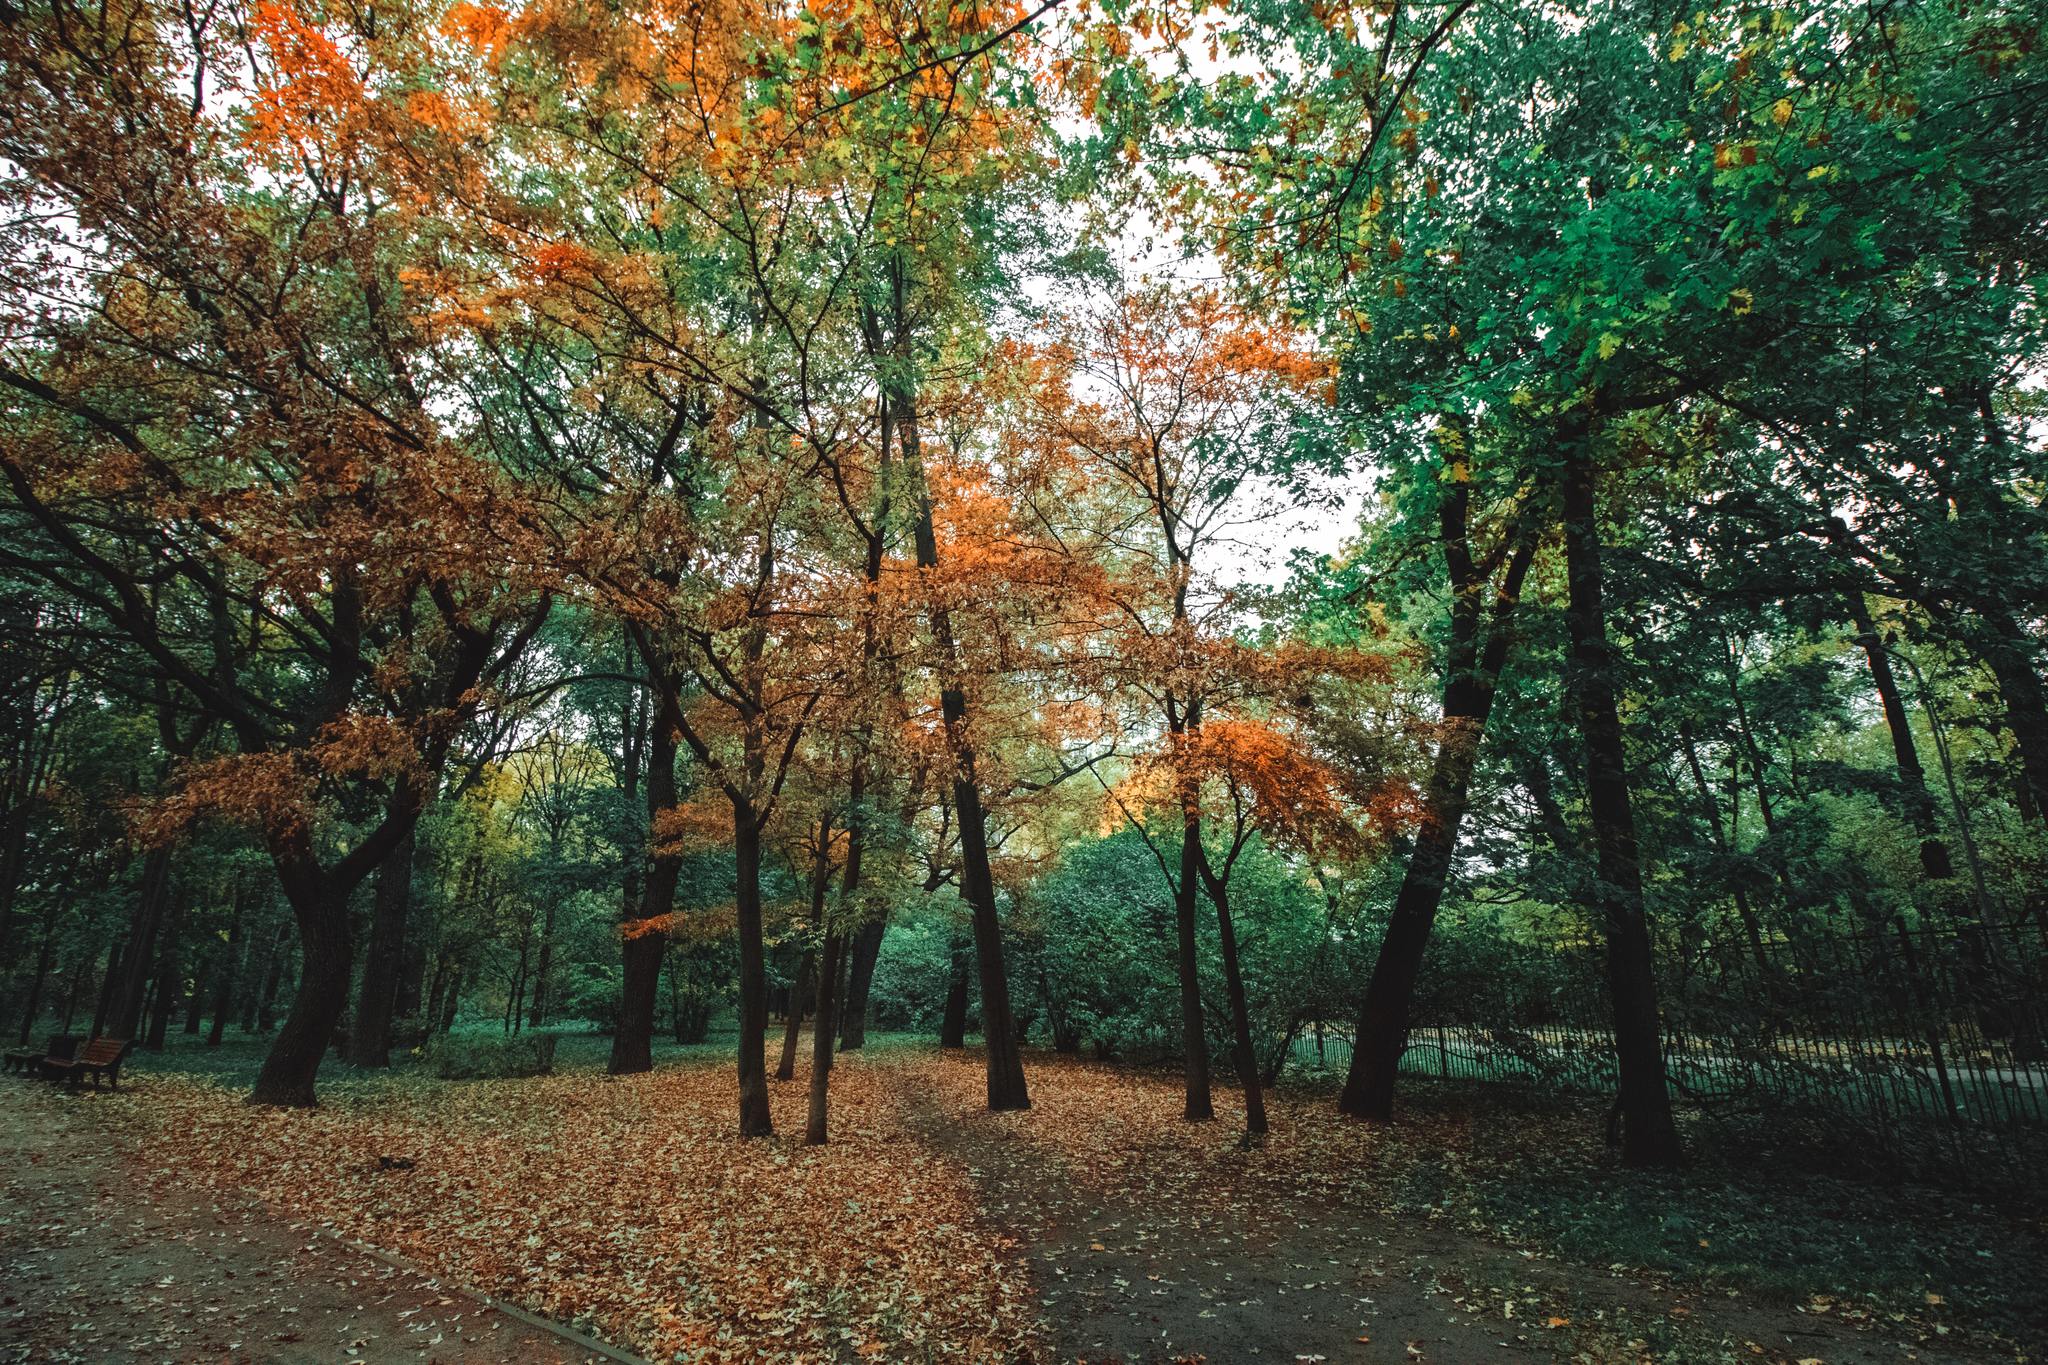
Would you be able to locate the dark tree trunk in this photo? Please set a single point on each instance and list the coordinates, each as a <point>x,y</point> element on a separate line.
<point>256,1009</point>
<point>755,1119</point>
<point>71,992</point>
<point>821,1042</point>
<point>110,982</point>
<point>1006,1087</point>
<point>430,1012</point>
<point>124,1020</point>
<point>452,1000</point>
<point>543,967</point>
<point>1194,1032</point>
<point>274,979</point>
<point>860,980</point>
<point>953,1022</point>
<point>650,897</point>
<point>45,956</point>
<point>1649,1137</point>
<point>2026,706</point>
<point>1934,857</point>
<point>169,980</point>
<point>321,910</point>
<point>1471,677</point>
<point>1752,929</point>
<point>369,1035</point>
<point>412,980</point>
<point>225,970</point>
<point>515,997</point>
<point>1245,1056</point>
<point>793,1023</point>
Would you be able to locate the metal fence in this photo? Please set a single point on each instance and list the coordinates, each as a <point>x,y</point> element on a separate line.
<point>1918,1041</point>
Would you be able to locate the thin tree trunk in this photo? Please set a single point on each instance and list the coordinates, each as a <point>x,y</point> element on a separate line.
<point>224,973</point>
<point>1240,1012</point>
<point>1934,858</point>
<point>110,982</point>
<point>168,980</point>
<point>821,1042</point>
<point>45,955</point>
<point>1472,673</point>
<point>1649,1137</point>
<point>1196,1106</point>
<point>452,1000</point>
<point>1006,1086</point>
<point>124,1020</point>
<point>256,1016</point>
<point>369,1035</point>
<point>793,1022</point>
<point>1751,927</point>
<point>860,980</point>
<point>78,972</point>
<point>650,897</point>
<point>543,967</point>
<point>2026,705</point>
<point>755,1119</point>
<point>953,1021</point>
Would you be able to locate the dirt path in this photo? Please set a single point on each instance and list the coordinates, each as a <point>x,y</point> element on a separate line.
<point>1260,1275</point>
<point>94,1267</point>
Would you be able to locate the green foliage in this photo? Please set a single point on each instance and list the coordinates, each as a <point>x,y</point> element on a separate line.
<point>482,1056</point>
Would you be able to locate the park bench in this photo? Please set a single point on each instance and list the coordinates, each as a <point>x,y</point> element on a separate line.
<point>100,1057</point>
<point>28,1060</point>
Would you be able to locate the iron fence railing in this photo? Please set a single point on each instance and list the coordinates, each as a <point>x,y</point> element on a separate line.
<point>1900,1037</point>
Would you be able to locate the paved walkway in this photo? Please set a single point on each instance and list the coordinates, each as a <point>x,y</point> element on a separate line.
<point>94,1267</point>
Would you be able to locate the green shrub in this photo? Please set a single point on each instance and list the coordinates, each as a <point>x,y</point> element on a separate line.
<point>463,1057</point>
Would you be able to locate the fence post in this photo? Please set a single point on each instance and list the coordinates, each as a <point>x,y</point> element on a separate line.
<point>1948,1094</point>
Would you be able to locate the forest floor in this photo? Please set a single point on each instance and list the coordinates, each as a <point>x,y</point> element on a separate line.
<point>95,1266</point>
<point>1097,1226</point>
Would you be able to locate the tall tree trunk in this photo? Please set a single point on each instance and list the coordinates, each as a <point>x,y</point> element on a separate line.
<point>1196,1106</point>
<point>516,996</point>
<point>2011,660</point>
<point>110,982</point>
<point>1752,929</point>
<point>138,960</point>
<point>793,1021</point>
<point>168,980</point>
<point>1472,671</point>
<point>224,972</point>
<point>860,981</point>
<point>85,961</point>
<point>430,1011</point>
<point>1649,1137</point>
<point>45,955</point>
<point>276,967</point>
<point>755,1119</point>
<point>543,966</point>
<point>821,1041</point>
<point>650,897</point>
<point>412,979</point>
<point>452,1000</point>
<point>369,1035</point>
<point>1245,1056</point>
<point>321,911</point>
<point>1006,1087</point>
<point>953,1021</point>
<point>1934,857</point>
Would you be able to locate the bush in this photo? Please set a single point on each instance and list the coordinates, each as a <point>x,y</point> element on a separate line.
<point>460,1057</point>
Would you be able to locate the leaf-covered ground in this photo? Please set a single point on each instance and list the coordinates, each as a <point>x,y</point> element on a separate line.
<point>630,1206</point>
<point>1096,1226</point>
